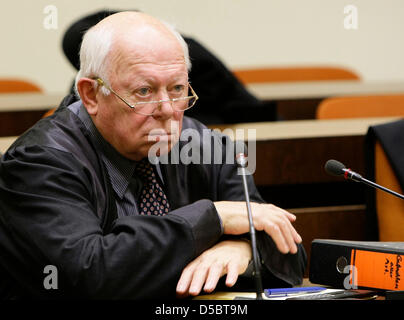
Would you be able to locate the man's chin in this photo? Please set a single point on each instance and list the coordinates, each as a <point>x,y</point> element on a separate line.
<point>161,148</point>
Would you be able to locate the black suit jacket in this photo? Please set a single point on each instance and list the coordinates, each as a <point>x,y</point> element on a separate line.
<point>57,208</point>
<point>390,135</point>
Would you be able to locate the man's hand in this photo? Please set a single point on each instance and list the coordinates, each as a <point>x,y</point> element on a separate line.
<point>227,257</point>
<point>276,222</point>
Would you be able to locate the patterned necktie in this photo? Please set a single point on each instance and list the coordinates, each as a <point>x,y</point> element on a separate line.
<point>152,200</point>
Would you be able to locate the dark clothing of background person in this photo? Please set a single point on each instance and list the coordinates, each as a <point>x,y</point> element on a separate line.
<point>390,137</point>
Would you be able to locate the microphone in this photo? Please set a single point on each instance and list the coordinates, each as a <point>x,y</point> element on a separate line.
<point>241,160</point>
<point>336,168</point>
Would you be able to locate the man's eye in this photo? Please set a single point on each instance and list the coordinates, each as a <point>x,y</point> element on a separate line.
<point>179,88</point>
<point>144,91</point>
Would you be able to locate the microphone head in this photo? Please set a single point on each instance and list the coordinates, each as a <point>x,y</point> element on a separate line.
<point>241,160</point>
<point>334,168</point>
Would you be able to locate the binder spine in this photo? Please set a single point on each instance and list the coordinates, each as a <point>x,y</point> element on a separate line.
<point>353,265</point>
<point>379,270</point>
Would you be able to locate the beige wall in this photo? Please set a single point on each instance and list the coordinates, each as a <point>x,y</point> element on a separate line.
<point>241,32</point>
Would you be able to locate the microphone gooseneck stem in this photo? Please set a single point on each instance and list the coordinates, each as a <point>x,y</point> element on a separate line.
<point>352,175</point>
<point>375,185</point>
<point>256,262</point>
<point>336,168</point>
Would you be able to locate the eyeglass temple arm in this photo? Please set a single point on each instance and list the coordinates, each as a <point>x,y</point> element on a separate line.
<point>102,83</point>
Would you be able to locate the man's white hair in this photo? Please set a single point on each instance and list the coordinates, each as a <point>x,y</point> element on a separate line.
<point>94,50</point>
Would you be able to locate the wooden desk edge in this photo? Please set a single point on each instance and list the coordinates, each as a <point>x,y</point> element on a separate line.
<point>6,142</point>
<point>223,295</point>
<point>296,129</point>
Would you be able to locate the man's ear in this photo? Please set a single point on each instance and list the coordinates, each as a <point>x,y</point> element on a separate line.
<point>88,94</point>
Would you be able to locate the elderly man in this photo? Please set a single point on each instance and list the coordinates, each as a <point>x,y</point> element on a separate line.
<point>79,195</point>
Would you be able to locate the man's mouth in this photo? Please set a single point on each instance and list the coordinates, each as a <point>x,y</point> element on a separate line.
<point>157,138</point>
<point>168,135</point>
<point>159,135</point>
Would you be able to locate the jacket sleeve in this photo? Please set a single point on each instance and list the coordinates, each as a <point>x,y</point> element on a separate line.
<point>48,217</point>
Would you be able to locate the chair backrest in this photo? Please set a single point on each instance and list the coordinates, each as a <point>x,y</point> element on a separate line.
<point>361,107</point>
<point>290,74</point>
<point>17,85</point>
<point>49,112</point>
<point>390,210</point>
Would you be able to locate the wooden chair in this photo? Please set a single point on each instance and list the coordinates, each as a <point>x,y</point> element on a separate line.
<point>290,74</point>
<point>49,113</point>
<point>389,209</point>
<point>361,107</point>
<point>17,85</point>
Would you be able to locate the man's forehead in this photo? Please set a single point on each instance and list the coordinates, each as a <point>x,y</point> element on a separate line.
<point>134,61</point>
<point>147,48</point>
<point>127,62</point>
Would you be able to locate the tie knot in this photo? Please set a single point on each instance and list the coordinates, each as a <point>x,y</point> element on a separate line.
<point>152,200</point>
<point>144,169</point>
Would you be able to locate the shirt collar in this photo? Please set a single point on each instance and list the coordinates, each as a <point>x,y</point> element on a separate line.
<point>120,169</point>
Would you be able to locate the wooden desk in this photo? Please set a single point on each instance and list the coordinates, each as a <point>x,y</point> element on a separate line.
<point>20,111</point>
<point>321,89</point>
<point>5,143</point>
<point>28,101</point>
<point>342,222</point>
<point>299,100</point>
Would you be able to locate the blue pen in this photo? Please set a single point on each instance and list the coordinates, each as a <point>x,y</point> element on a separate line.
<point>288,291</point>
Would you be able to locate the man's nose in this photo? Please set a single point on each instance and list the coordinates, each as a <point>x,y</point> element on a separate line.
<point>165,108</point>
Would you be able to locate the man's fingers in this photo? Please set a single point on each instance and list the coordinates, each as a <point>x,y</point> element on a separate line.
<point>232,274</point>
<point>283,234</point>
<point>292,218</point>
<point>227,257</point>
<point>277,223</point>
<point>296,236</point>
<point>275,233</point>
<point>215,272</point>
<point>287,236</point>
<point>185,279</point>
<point>198,280</point>
<point>287,231</point>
